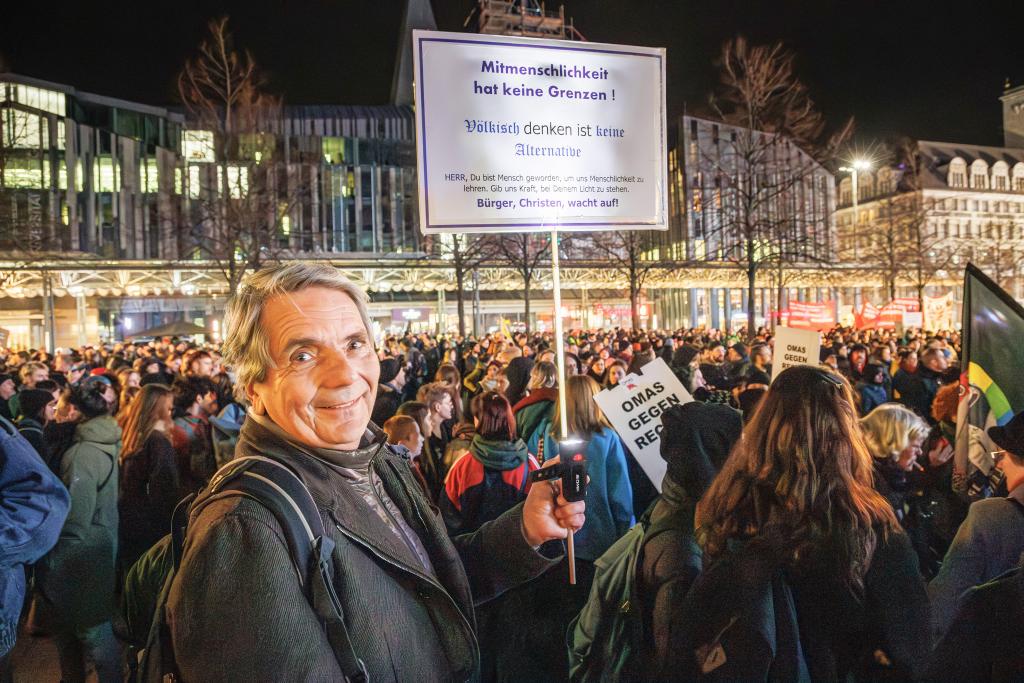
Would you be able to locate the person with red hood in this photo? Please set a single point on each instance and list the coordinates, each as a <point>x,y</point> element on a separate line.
<point>539,405</point>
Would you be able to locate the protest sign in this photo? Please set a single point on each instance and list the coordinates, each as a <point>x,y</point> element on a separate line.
<point>808,315</point>
<point>521,134</point>
<point>794,347</point>
<point>635,407</point>
<point>913,319</point>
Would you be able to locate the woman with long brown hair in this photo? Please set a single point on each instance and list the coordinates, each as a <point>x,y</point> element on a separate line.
<point>798,488</point>
<point>150,484</point>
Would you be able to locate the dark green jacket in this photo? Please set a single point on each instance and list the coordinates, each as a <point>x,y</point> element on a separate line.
<point>77,577</point>
<point>533,410</point>
<point>236,610</point>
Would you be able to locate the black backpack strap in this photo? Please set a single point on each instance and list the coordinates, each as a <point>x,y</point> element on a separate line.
<point>277,488</point>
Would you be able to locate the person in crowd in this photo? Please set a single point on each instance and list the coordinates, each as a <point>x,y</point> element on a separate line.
<point>982,643</point>
<point>7,390</point>
<point>495,477</point>
<point>871,389</point>
<point>37,410</point>
<point>686,366</point>
<point>195,401</point>
<point>695,441</point>
<point>311,375</point>
<point>389,393</point>
<point>798,486</point>
<point>35,505</point>
<point>609,493</point>
<point>738,364</point>
<point>760,372</point>
<point>433,466</point>
<point>858,359</point>
<point>405,438</point>
<point>519,371</point>
<point>76,579</point>
<point>448,375</point>
<point>613,375</point>
<point>30,373</point>
<point>440,416</point>
<point>642,357</point>
<point>990,541</point>
<point>539,404</point>
<point>150,487</point>
<point>596,370</point>
<point>198,364</point>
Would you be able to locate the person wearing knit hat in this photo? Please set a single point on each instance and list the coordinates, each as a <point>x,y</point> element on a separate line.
<point>695,443</point>
<point>36,410</point>
<point>389,391</point>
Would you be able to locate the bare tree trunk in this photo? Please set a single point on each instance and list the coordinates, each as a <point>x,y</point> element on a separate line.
<point>634,302</point>
<point>526,301</point>
<point>751,286</point>
<point>460,302</point>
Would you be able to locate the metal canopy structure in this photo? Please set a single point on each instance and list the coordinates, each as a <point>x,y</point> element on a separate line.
<point>405,273</point>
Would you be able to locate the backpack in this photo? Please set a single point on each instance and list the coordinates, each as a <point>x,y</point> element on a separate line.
<point>740,620</point>
<point>606,639</point>
<point>280,490</point>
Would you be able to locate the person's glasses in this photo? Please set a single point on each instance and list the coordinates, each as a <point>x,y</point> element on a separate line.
<point>997,456</point>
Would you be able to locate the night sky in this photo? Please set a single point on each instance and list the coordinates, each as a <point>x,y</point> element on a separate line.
<point>900,68</point>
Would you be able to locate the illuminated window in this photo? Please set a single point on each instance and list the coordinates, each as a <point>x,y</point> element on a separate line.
<point>36,98</point>
<point>105,175</point>
<point>197,145</point>
<point>238,181</point>
<point>286,224</point>
<point>334,150</point>
<point>957,173</point>
<point>22,130</point>
<point>79,176</point>
<point>62,175</point>
<point>149,180</point>
<point>24,173</point>
<point>178,180</point>
<point>979,175</point>
<point>193,182</point>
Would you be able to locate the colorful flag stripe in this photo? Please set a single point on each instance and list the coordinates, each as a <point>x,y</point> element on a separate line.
<point>997,401</point>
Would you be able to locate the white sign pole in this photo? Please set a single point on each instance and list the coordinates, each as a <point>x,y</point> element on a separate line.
<point>563,429</point>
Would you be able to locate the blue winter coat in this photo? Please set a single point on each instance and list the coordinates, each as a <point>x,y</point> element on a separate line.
<point>609,494</point>
<point>33,505</point>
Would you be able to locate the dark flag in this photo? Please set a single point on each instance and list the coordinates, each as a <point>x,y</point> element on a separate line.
<point>992,364</point>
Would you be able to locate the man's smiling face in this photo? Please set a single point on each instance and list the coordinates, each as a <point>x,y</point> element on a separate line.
<point>322,381</point>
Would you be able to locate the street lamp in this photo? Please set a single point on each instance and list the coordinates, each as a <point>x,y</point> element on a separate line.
<point>855,166</point>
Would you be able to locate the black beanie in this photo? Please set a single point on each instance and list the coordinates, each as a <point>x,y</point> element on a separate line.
<point>695,442</point>
<point>389,369</point>
<point>32,401</point>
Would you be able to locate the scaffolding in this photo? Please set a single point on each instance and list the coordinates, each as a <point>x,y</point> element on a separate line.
<point>526,18</point>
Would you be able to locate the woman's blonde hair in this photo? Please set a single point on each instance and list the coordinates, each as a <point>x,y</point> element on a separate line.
<point>544,375</point>
<point>890,428</point>
<point>800,475</point>
<point>583,417</point>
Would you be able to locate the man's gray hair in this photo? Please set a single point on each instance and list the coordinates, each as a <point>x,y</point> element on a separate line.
<point>246,345</point>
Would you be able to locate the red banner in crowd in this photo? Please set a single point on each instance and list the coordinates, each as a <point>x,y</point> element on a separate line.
<point>888,317</point>
<point>810,315</point>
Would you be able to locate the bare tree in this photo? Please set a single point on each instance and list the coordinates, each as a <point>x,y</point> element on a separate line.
<point>771,160</point>
<point>925,253</point>
<point>466,253</point>
<point>526,253</point>
<point>630,254</point>
<point>241,210</point>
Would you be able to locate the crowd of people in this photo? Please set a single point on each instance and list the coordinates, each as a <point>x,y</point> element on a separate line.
<point>834,486</point>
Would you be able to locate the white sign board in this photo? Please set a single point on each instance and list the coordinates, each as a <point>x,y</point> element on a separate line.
<point>519,134</point>
<point>634,408</point>
<point>913,319</point>
<point>795,347</point>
